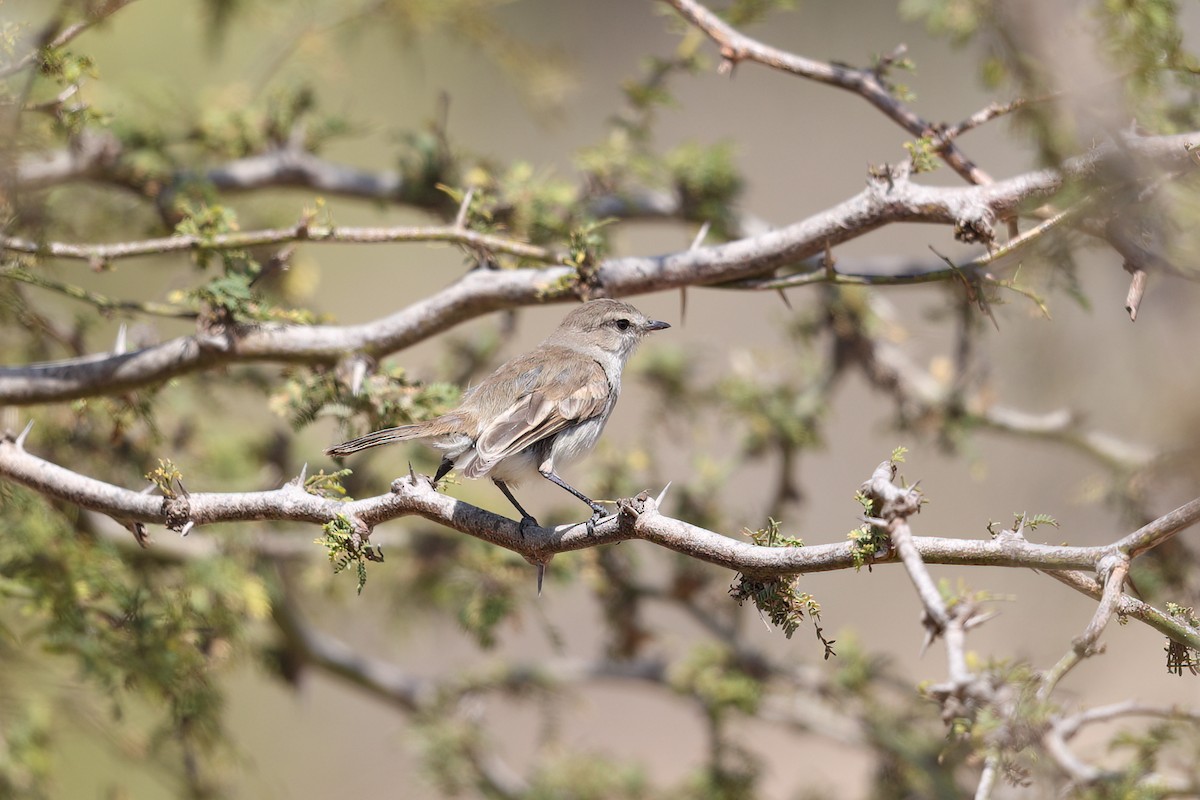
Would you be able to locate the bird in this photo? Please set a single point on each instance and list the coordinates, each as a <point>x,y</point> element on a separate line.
<point>537,412</point>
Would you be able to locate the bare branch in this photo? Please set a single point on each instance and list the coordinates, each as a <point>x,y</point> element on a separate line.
<point>1062,730</point>
<point>1114,569</point>
<point>1160,530</point>
<point>97,13</point>
<point>736,46</point>
<point>454,234</point>
<point>481,291</point>
<point>1169,626</point>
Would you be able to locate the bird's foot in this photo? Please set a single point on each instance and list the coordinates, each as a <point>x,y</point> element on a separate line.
<point>527,523</point>
<point>599,516</point>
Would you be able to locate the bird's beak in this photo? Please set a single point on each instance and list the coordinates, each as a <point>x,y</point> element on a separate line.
<point>656,325</point>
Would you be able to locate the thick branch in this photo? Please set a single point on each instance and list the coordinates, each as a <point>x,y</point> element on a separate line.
<point>481,291</point>
<point>640,520</point>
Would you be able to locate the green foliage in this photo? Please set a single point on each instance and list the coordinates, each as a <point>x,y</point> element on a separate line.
<point>924,158</point>
<point>426,164</point>
<point>588,777</point>
<point>885,66</point>
<point>330,486</point>
<point>232,296</point>
<point>386,398</point>
<point>587,245</point>
<point>157,636</point>
<point>771,409</point>
<point>1021,520</point>
<point>1146,44</point>
<point>769,536</point>
<point>26,763</point>
<point>449,746</point>
<point>1180,656</point>
<point>712,675</point>
<point>165,477</point>
<point>231,128</point>
<point>346,546</point>
<point>868,539</point>
<point>707,181</point>
<point>779,598</point>
<point>486,589</point>
<point>958,20</point>
<point>746,12</point>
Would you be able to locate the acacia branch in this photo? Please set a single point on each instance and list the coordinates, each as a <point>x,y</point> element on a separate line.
<point>1062,730</point>
<point>884,201</point>
<point>100,254</point>
<point>98,157</point>
<point>52,39</point>
<point>736,46</point>
<point>1114,571</point>
<point>638,519</point>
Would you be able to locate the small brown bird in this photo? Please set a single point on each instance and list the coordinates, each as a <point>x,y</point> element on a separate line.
<point>537,412</point>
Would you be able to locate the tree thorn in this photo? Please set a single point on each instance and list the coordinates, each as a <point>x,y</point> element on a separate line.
<point>460,220</point>
<point>358,373</point>
<point>23,435</point>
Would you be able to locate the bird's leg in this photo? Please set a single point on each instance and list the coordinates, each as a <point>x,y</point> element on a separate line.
<point>527,519</point>
<point>442,469</point>
<point>598,511</point>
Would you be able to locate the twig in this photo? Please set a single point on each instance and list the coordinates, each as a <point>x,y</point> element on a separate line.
<point>736,47</point>
<point>1137,289</point>
<point>1062,730</point>
<point>480,291</point>
<point>826,273</point>
<point>1160,530</point>
<point>101,302</point>
<point>100,254</point>
<point>97,14</point>
<point>1114,570</point>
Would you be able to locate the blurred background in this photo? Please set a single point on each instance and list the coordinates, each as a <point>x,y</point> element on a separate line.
<point>539,83</point>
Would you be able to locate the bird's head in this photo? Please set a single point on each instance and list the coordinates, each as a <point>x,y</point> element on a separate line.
<point>609,326</point>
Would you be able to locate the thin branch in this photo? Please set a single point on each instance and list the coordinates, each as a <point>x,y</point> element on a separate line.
<point>987,778</point>
<point>1115,570</point>
<point>824,273</point>
<point>1062,730</point>
<point>481,291</point>
<point>1166,624</point>
<point>736,47</point>
<point>1160,530</point>
<point>980,117</point>
<point>97,14</point>
<point>98,157</point>
<point>100,254</point>
<point>101,302</point>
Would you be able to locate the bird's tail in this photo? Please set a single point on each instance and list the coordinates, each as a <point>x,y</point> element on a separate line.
<point>420,430</point>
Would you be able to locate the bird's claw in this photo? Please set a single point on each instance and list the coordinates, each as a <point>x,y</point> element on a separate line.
<point>599,517</point>
<point>527,522</point>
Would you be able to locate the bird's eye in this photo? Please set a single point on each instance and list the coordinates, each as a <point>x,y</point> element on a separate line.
<point>623,324</point>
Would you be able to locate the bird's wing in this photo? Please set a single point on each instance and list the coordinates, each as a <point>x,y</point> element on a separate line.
<point>555,398</point>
